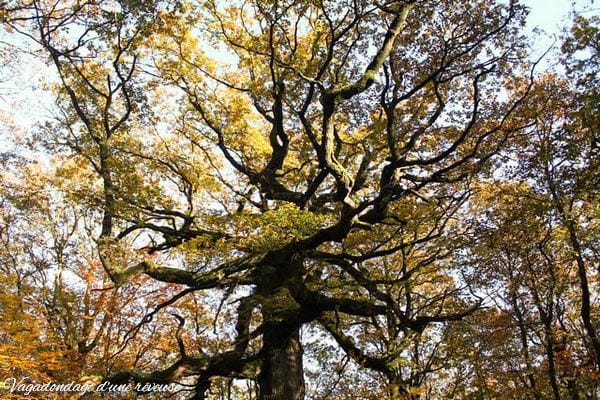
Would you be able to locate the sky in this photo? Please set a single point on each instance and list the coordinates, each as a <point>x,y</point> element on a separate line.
<point>548,13</point>
<point>551,16</point>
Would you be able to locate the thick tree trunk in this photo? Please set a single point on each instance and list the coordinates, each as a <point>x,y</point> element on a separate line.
<point>401,391</point>
<point>282,373</point>
<point>573,391</point>
<point>282,376</point>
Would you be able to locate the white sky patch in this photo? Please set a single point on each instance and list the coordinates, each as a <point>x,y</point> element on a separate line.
<point>549,15</point>
<point>546,20</point>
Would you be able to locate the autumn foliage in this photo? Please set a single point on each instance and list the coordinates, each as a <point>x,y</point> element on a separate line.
<point>289,200</point>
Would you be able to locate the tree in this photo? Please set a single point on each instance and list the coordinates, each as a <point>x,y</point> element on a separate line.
<point>307,175</point>
<point>535,245</point>
<point>524,261</point>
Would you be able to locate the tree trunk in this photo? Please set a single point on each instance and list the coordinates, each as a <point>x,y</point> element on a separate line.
<point>552,374</point>
<point>282,374</point>
<point>401,391</point>
<point>573,391</point>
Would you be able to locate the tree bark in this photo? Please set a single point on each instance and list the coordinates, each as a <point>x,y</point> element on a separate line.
<point>281,376</point>
<point>552,373</point>
<point>401,391</point>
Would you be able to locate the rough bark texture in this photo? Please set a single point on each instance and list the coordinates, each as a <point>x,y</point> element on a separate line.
<point>401,391</point>
<point>282,375</point>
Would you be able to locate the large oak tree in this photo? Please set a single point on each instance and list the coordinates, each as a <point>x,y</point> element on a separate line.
<point>283,167</point>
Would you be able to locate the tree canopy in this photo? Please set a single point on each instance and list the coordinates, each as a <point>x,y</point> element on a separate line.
<point>291,199</point>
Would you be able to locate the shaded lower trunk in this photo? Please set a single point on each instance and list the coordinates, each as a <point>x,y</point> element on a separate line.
<point>398,390</point>
<point>282,376</point>
<point>573,391</point>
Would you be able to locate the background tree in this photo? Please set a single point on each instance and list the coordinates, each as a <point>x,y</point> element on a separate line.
<point>537,246</point>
